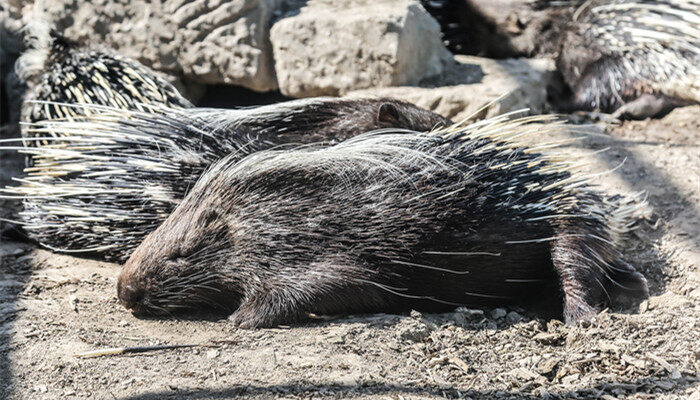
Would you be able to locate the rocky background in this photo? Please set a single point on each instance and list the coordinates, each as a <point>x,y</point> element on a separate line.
<point>244,52</point>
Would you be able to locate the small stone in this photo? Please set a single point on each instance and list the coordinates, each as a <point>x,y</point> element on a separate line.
<point>525,374</point>
<point>513,317</point>
<point>498,313</point>
<point>73,302</point>
<point>549,338</point>
<point>212,353</point>
<point>412,330</point>
<point>609,348</point>
<point>567,380</point>
<point>123,323</point>
<point>546,367</point>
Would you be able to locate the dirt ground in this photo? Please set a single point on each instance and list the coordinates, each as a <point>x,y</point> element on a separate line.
<point>54,306</point>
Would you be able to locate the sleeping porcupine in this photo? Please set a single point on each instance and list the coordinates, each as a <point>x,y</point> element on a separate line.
<point>385,222</point>
<point>633,58</point>
<point>637,59</point>
<point>115,175</point>
<point>100,178</point>
<point>57,70</point>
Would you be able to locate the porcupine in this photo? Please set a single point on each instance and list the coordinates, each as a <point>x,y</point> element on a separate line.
<point>635,58</point>
<point>59,72</point>
<point>118,146</point>
<point>386,222</point>
<point>115,175</point>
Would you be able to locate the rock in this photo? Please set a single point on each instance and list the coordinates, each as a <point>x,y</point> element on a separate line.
<point>513,317</point>
<point>330,47</point>
<point>213,42</point>
<point>412,330</point>
<point>549,338</point>
<point>73,302</point>
<point>211,354</point>
<point>546,366</point>
<point>463,315</point>
<point>525,374</point>
<point>471,83</point>
<point>497,313</point>
<point>225,41</point>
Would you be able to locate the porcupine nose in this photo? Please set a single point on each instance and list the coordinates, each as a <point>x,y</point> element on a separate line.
<point>130,294</point>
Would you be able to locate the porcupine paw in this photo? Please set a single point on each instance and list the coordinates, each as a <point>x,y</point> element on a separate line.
<point>264,312</point>
<point>577,310</point>
<point>645,106</point>
<point>248,319</point>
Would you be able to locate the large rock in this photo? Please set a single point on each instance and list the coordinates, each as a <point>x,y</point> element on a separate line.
<point>330,47</point>
<point>471,83</point>
<point>224,41</point>
<point>206,41</point>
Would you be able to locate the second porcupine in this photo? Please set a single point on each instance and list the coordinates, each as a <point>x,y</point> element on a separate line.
<point>115,175</point>
<point>386,222</point>
<point>60,72</point>
<point>113,147</point>
<point>635,58</point>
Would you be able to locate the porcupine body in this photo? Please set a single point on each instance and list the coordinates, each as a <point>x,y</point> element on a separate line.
<point>114,175</point>
<point>386,222</point>
<point>113,147</point>
<point>632,57</point>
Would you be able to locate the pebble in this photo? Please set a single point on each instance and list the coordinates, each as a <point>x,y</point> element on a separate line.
<point>513,317</point>
<point>548,338</point>
<point>212,353</point>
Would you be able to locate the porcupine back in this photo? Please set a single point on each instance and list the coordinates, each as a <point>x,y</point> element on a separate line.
<point>111,176</point>
<point>386,222</point>
<point>616,51</point>
<point>59,71</point>
<point>114,151</point>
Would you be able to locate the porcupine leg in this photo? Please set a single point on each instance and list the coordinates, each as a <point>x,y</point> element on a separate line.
<point>267,309</point>
<point>329,287</point>
<point>647,106</point>
<point>576,280</point>
<point>592,276</point>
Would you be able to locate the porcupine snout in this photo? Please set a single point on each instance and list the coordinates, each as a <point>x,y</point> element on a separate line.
<point>130,293</point>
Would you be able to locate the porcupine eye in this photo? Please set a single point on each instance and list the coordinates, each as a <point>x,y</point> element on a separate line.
<point>210,215</point>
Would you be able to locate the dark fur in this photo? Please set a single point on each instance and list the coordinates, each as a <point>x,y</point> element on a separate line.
<point>500,28</point>
<point>183,144</point>
<point>155,125</point>
<point>380,223</point>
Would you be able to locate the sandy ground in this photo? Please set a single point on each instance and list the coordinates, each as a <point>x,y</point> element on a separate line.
<point>54,306</point>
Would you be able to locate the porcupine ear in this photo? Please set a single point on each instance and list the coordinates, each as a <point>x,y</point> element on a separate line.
<point>388,114</point>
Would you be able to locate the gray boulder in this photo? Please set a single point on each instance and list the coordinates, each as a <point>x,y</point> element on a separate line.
<point>329,47</point>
